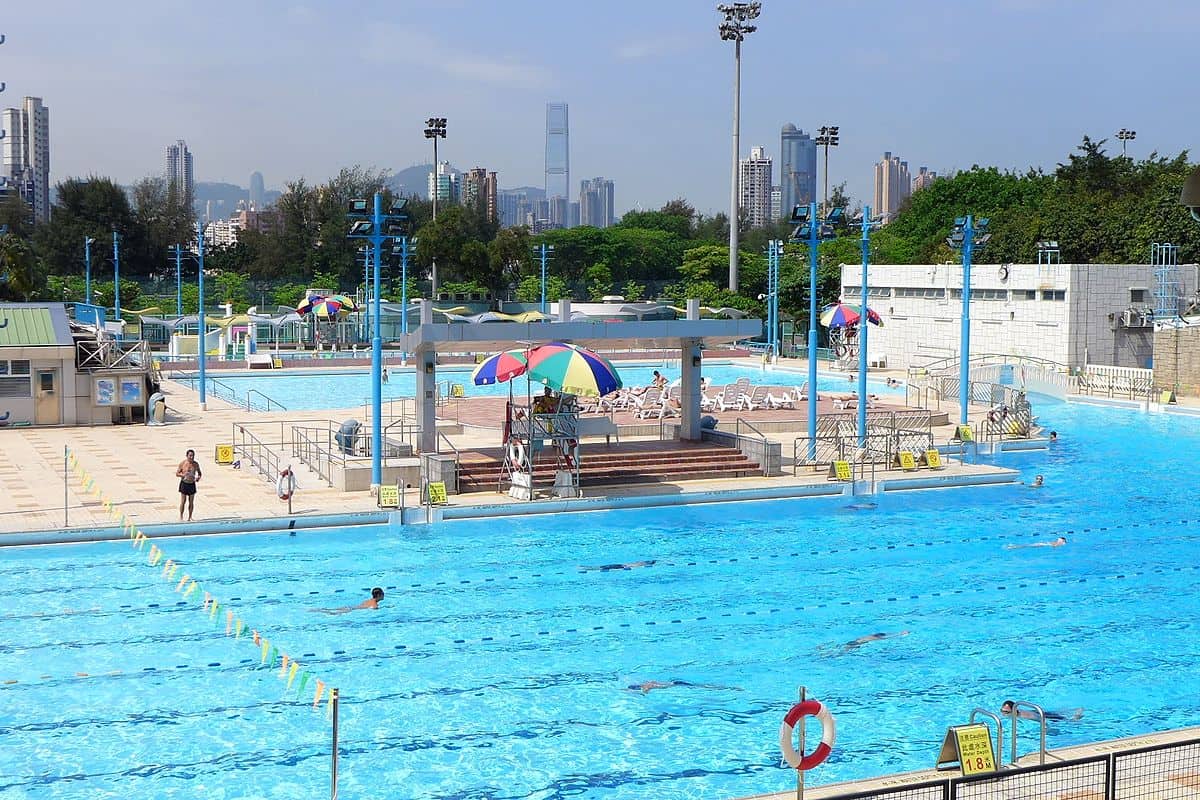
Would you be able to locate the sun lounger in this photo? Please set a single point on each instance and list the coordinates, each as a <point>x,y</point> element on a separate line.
<point>756,398</point>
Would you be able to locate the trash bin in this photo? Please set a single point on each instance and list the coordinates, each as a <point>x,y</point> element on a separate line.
<point>157,407</point>
<point>347,436</point>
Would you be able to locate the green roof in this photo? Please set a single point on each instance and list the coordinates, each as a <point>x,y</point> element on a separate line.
<point>24,326</point>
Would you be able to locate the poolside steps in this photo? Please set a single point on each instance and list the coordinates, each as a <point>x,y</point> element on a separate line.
<point>634,463</point>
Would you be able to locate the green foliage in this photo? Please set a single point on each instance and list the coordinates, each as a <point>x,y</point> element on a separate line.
<point>286,294</point>
<point>599,281</point>
<point>131,293</point>
<point>231,287</point>
<point>20,278</point>
<point>675,224</point>
<point>468,288</point>
<point>633,291</point>
<point>529,290</point>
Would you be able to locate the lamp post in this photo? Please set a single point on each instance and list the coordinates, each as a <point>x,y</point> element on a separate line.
<point>375,226</point>
<point>88,241</point>
<point>202,345</point>
<point>117,277</point>
<point>403,252</point>
<point>435,128</point>
<point>734,29</point>
<point>812,229</point>
<point>179,280</point>
<point>1126,136</point>
<point>864,324</point>
<point>545,250</point>
<point>963,237</point>
<point>774,254</point>
<point>827,137</point>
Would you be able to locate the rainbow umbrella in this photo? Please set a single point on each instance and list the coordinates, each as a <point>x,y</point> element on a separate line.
<point>842,315</point>
<point>500,367</point>
<point>329,308</point>
<point>306,304</point>
<point>347,302</point>
<point>573,369</point>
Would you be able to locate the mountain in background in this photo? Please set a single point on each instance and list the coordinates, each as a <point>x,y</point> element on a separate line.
<point>224,198</point>
<point>413,180</point>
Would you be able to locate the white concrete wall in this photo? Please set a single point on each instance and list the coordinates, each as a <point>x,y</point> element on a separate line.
<point>917,330</point>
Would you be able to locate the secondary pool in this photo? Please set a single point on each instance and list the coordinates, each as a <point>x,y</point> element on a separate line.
<point>497,668</point>
<point>309,391</point>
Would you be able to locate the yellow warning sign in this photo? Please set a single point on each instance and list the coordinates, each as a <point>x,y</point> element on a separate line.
<point>1167,397</point>
<point>224,454</point>
<point>934,459</point>
<point>963,433</point>
<point>456,390</point>
<point>277,363</point>
<point>970,746</point>
<point>437,492</point>
<point>841,471</point>
<point>906,459</point>
<point>389,497</point>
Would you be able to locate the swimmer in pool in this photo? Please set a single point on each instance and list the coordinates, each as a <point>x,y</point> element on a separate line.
<point>1059,542</point>
<point>1006,708</point>
<point>862,506</point>
<point>874,637</point>
<point>613,567</point>
<point>1038,482</point>
<point>371,602</point>
<point>645,686</point>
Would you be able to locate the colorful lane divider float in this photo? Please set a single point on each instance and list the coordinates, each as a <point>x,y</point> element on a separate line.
<point>172,572</point>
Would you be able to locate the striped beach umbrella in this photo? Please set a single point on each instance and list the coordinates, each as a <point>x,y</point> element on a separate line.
<point>500,367</point>
<point>573,369</point>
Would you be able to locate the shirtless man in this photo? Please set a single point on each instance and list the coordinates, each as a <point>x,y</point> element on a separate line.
<point>189,474</point>
<point>371,602</point>
<point>872,637</point>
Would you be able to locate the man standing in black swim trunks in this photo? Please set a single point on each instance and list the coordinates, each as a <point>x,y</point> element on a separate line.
<point>188,474</point>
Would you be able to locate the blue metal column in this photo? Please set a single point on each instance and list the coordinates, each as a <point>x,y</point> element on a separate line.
<point>863,325</point>
<point>117,276</point>
<point>366,293</point>
<point>814,240</point>
<point>377,355</point>
<point>404,289</point>
<point>964,353</point>
<point>201,344</point>
<point>772,268</point>
<point>543,249</point>
<point>179,280</point>
<point>87,266</point>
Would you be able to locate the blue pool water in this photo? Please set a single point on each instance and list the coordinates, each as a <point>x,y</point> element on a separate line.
<point>496,668</point>
<point>308,391</point>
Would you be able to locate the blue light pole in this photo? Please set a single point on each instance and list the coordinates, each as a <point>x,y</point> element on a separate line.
<point>375,226</point>
<point>179,280</point>
<point>202,346</point>
<point>545,250</point>
<point>774,254</point>
<point>967,235</point>
<point>864,323</point>
<point>404,288</point>
<point>811,229</point>
<point>366,291</point>
<point>117,276</point>
<point>87,269</point>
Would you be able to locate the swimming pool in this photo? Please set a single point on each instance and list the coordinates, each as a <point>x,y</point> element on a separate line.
<point>310,391</point>
<point>497,669</point>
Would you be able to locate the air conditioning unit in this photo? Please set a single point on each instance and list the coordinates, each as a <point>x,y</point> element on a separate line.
<point>1133,318</point>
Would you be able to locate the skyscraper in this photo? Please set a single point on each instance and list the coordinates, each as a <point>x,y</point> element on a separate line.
<point>479,190</point>
<point>558,151</point>
<point>258,192</point>
<point>923,178</point>
<point>448,189</point>
<point>892,186</point>
<point>179,171</point>
<point>777,204</point>
<point>26,154</point>
<point>754,181</point>
<point>797,168</point>
<point>596,203</point>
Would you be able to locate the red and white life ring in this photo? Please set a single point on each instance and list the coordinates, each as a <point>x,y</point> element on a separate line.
<point>516,456</point>
<point>285,487</point>
<point>809,708</point>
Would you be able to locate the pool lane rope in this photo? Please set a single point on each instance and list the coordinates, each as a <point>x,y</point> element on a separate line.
<point>290,670</point>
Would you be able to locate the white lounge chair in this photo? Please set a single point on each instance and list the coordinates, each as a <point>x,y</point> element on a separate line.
<point>730,398</point>
<point>647,399</point>
<point>756,398</point>
<point>784,399</point>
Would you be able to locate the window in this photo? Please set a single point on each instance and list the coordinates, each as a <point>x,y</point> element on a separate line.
<point>982,294</point>
<point>872,291</point>
<point>1054,294</point>
<point>929,294</point>
<point>1028,294</point>
<point>14,379</point>
<point>1137,295</point>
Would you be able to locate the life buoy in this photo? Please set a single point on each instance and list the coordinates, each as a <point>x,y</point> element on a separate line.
<point>569,449</point>
<point>809,708</point>
<point>516,455</point>
<point>285,487</point>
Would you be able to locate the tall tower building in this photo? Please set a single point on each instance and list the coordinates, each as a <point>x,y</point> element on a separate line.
<point>596,207</point>
<point>258,192</point>
<point>923,178</point>
<point>179,171</point>
<point>445,183</point>
<point>754,180</point>
<point>892,186</point>
<point>479,190</point>
<point>558,151</point>
<point>25,154</point>
<point>797,169</point>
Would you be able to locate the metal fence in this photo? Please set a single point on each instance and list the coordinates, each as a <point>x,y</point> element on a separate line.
<point>1106,381</point>
<point>1145,773</point>
<point>888,433</point>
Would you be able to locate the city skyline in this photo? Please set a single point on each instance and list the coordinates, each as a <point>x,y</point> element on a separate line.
<point>630,89</point>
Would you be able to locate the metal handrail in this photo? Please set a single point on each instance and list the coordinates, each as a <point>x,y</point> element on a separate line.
<point>441,437</point>
<point>270,401</point>
<point>737,435</point>
<point>1015,715</point>
<point>998,746</point>
<point>256,451</point>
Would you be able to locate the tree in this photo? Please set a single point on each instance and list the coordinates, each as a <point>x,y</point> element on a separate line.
<point>20,277</point>
<point>529,290</point>
<point>231,287</point>
<point>633,291</point>
<point>163,218</point>
<point>676,224</point>
<point>510,255</point>
<point>88,207</point>
<point>599,281</point>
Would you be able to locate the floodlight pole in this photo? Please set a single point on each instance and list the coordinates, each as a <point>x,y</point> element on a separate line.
<point>814,241</point>
<point>87,266</point>
<point>377,236</point>
<point>404,290</point>
<point>733,183</point>
<point>179,280</point>
<point>117,277</point>
<point>542,250</point>
<point>202,348</point>
<point>863,324</point>
<point>964,353</point>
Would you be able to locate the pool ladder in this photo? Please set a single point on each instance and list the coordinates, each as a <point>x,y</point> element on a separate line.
<point>1014,717</point>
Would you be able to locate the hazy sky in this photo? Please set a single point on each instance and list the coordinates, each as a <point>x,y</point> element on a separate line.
<point>301,89</point>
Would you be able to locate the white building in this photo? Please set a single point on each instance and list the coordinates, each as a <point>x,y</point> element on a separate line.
<point>754,175</point>
<point>892,186</point>
<point>179,171</point>
<point>446,183</point>
<point>1072,314</point>
<point>25,154</point>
